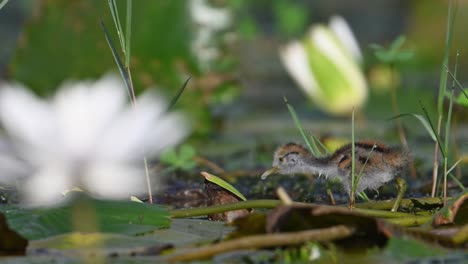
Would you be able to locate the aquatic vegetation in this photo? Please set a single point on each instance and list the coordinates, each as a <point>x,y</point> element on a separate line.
<point>85,136</point>
<point>325,65</point>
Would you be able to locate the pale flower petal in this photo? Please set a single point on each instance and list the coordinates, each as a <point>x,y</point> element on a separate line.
<point>11,169</point>
<point>168,131</point>
<point>115,181</point>
<point>128,134</point>
<point>85,110</point>
<point>342,30</point>
<point>87,137</point>
<point>295,58</point>
<point>27,119</point>
<point>325,67</point>
<point>46,186</point>
<point>214,18</point>
<point>343,102</point>
<point>208,21</point>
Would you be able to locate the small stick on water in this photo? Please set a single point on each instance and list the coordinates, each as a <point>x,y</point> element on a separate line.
<point>283,196</point>
<point>330,194</point>
<point>148,181</point>
<point>262,241</point>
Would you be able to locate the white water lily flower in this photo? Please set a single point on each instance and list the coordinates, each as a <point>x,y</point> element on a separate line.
<point>344,33</point>
<point>87,136</point>
<point>10,167</point>
<point>326,67</point>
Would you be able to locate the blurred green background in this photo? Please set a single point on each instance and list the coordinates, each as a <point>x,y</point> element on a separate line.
<point>238,81</point>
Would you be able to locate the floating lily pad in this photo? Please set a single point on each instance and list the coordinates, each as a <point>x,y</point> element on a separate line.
<point>87,215</point>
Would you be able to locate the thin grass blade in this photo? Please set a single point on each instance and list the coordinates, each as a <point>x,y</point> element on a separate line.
<point>456,82</point>
<point>118,26</point>
<point>324,149</point>
<point>448,123</point>
<point>363,196</point>
<point>3,3</point>
<point>438,140</point>
<point>453,166</point>
<point>353,149</point>
<point>452,10</point>
<point>128,32</point>
<point>423,121</point>
<point>312,147</point>
<point>457,181</point>
<point>178,94</point>
<point>364,165</point>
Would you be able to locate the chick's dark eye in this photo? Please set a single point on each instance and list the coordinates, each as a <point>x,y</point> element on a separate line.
<point>281,159</point>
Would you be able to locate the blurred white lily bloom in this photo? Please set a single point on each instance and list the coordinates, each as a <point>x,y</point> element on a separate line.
<point>326,66</point>
<point>10,167</point>
<point>344,33</point>
<point>87,136</point>
<point>209,21</point>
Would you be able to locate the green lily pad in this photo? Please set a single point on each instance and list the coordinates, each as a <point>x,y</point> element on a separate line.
<point>181,232</point>
<point>87,215</point>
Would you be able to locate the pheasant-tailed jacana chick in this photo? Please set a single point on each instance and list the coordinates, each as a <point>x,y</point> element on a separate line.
<point>377,164</point>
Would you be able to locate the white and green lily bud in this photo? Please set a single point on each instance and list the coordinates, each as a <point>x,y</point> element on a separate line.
<point>326,65</point>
